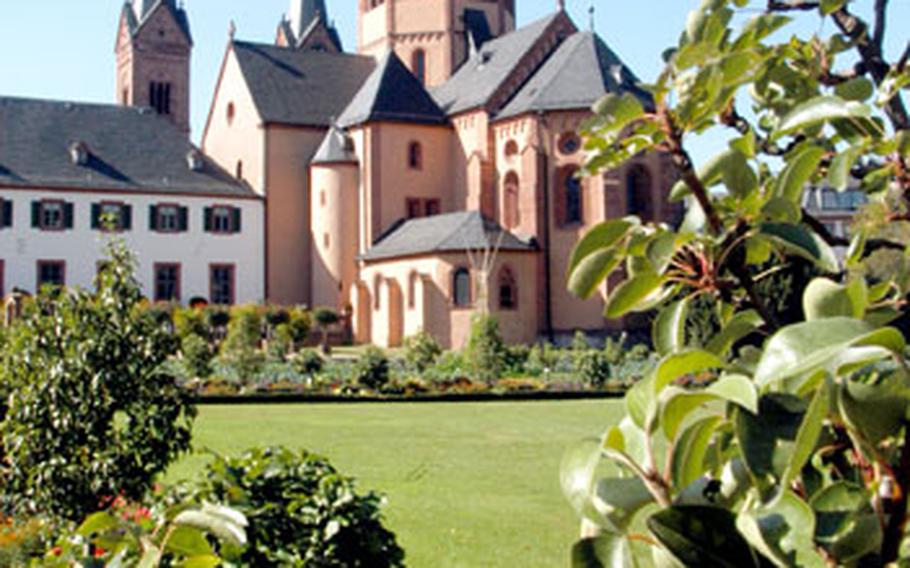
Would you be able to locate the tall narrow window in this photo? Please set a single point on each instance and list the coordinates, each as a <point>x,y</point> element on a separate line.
<point>461,288</point>
<point>415,156</point>
<point>572,198</point>
<point>638,192</point>
<point>167,282</point>
<point>221,284</point>
<point>413,207</point>
<point>51,273</point>
<point>377,292</point>
<point>433,207</point>
<point>419,65</point>
<point>412,290</point>
<point>508,290</point>
<point>238,171</point>
<point>511,215</point>
<point>6,213</point>
<point>160,97</point>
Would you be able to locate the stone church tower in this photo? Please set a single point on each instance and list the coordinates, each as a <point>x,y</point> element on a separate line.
<point>432,37</point>
<point>153,59</point>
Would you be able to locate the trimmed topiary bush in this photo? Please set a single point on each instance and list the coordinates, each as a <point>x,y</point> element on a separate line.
<point>486,351</point>
<point>372,369</point>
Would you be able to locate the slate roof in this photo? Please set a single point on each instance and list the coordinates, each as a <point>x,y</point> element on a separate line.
<point>452,232</point>
<point>137,13</point>
<point>302,88</point>
<point>392,93</point>
<point>304,13</point>
<point>482,74</point>
<point>578,74</point>
<point>130,149</point>
<point>330,30</point>
<point>336,148</point>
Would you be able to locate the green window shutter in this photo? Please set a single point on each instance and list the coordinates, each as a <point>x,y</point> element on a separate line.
<point>183,218</point>
<point>7,213</point>
<point>96,215</point>
<point>68,214</point>
<point>208,219</point>
<point>153,218</point>
<point>127,213</point>
<point>36,214</point>
<point>236,224</point>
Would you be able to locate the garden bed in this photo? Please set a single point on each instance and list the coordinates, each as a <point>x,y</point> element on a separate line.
<point>289,398</point>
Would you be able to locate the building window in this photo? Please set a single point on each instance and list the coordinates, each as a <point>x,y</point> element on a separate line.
<point>112,216</point>
<point>167,282</point>
<point>461,288</point>
<point>511,214</point>
<point>638,192</point>
<point>433,207</point>
<point>412,290</point>
<point>419,65</point>
<point>168,218</point>
<point>572,198</point>
<point>231,112</point>
<point>511,149</point>
<point>221,284</point>
<point>160,97</point>
<point>222,219</point>
<point>6,213</point>
<point>377,292</point>
<point>51,273</point>
<point>51,215</point>
<point>415,156</point>
<point>238,170</point>
<point>508,290</point>
<point>569,143</point>
<point>2,285</point>
<point>414,208</point>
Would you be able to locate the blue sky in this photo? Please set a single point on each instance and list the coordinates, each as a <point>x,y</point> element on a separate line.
<point>63,49</point>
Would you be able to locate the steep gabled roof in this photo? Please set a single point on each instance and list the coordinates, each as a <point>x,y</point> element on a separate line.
<point>128,149</point>
<point>581,71</point>
<point>302,88</point>
<point>139,11</point>
<point>315,26</point>
<point>478,79</point>
<point>392,93</point>
<point>452,232</point>
<point>336,148</point>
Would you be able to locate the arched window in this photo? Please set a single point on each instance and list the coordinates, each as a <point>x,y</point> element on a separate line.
<point>638,192</point>
<point>231,111</point>
<point>412,290</point>
<point>511,149</point>
<point>419,65</point>
<point>508,290</point>
<point>377,292</point>
<point>511,213</point>
<point>239,170</point>
<point>573,198</point>
<point>461,288</point>
<point>415,156</point>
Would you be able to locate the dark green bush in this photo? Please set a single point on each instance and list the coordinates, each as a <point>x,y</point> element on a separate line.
<point>301,511</point>
<point>197,355</point>
<point>594,368</point>
<point>372,369</point>
<point>421,351</point>
<point>308,362</point>
<point>241,348</point>
<point>92,413</point>
<point>486,351</point>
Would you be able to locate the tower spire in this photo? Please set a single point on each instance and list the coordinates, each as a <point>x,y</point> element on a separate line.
<point>561,5</point>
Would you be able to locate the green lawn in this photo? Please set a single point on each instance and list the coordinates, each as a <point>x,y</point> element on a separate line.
<point>468,484</point>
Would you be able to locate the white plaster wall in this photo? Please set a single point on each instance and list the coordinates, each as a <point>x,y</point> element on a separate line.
<point>22,246</point>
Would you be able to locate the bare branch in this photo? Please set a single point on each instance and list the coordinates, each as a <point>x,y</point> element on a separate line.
<point>791,5</point>
<point>878,35</point>
<point>905,57</point>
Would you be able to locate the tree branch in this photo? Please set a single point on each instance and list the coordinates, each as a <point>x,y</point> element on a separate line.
<point>792,5</point>
<point>878,35</point>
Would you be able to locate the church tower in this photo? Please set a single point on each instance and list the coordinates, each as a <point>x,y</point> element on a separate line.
<point>432,37</point>
<point>153,59</point>
<point>306,26</point>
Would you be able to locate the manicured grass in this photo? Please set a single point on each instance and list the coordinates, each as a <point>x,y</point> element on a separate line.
<point>468,484</point>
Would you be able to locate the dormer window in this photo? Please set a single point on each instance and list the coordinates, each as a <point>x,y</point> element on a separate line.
<point>79,153</point>
<point>194,160</point>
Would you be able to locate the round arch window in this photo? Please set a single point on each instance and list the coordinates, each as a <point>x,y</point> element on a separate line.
<point>569,143</point>
<point>231,111</point>
<point>511,149</point>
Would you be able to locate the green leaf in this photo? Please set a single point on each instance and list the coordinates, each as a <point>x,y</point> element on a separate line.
<point>807,437</point>
<point>217,525</point>
<point>187,541</point>
<point>808,347</point>
<point>857,89</point>
<point>798,240</point>
<point>741,325</point>
<point>877,410</point>
<point>669,331</point>
<point>766,439</point>
<point>201,561</point>
<point>604,236</point>
<point>830,6</point>
<point>617,500</point>
<point>632,293</point>
<point>677,405</point>
<point>687,362</point>
<point>618,110</point>
<point>604,551</point>
<point>847,526</point>
<point>702,536</point>
<point>737,389</point>
<point>690,450</point>
<point>97,523</point>
<point>592,271</point>
<point>576,476</point>
<point>783,531</point>
<point>825,298</point>
<point>639,400</point>
<point>793,179</point>
<point>839,172</point>
<point>738,176</point>
<point>820,110</point>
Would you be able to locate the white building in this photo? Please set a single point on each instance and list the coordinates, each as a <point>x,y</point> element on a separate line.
<point>197,231</point>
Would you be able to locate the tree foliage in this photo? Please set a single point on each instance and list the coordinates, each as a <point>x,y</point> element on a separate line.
<point>91,413</point>
<point>792,449</point>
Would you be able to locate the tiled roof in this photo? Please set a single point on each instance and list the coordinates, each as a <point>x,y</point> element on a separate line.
<point>452,232</point>
<point>128,148</point>
<point>392,93</point>
<point>581,71</point>
<point>478,79</point>
<point>303,88</point>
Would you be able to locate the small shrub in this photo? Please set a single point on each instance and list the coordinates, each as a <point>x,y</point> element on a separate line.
<point>197,356</point>
<point>519,385</point>
<point>449,366</point>
<point>308,362</point>
<point>485,352</point>
<point>516,359</point>
<point>325,318</point>
<point>300,321</point>
<point>372,369</point>
<point>301,511</point>
<point>240,348</point>
<point>594,368</point>
<point>191,321</point>
<point>421,352</point>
